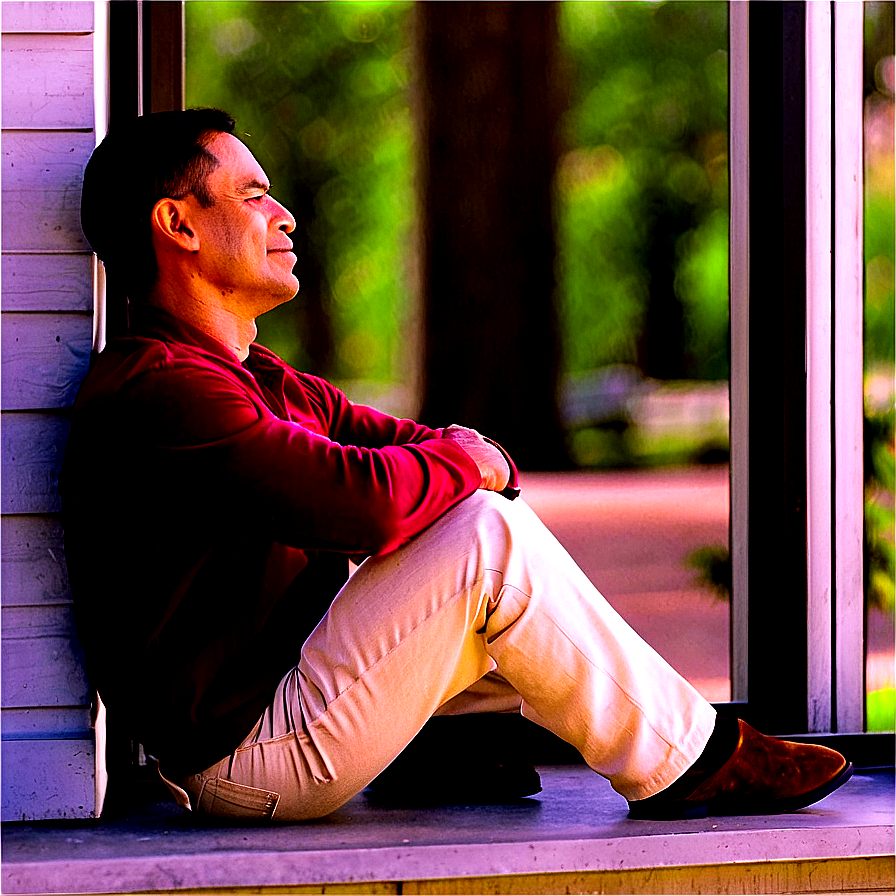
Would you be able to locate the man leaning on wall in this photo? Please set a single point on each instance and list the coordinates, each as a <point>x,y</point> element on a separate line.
<point>212,499</point>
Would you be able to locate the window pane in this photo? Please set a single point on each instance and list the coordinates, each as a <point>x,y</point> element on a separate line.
<point>642,204</point>
<point>635,534</point>
<point>879,368</point>
<point>321,94</point>
<point>327,93</point>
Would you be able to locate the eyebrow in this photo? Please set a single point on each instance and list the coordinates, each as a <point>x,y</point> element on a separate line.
<point>251,185</point>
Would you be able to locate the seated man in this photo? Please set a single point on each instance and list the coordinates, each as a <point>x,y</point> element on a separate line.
<point>212,497</point>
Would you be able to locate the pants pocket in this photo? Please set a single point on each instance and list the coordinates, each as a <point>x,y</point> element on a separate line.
<point>227,799</point>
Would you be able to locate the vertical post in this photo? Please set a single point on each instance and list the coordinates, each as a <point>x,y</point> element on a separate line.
<point>777,359</point>
<point>146,74</point>
<point>849,658</point>
<point>805,368</point>
<point>819,497</point>
<point>163,55</point>
<point>101,69</point>
<point>125,101</point>
<point>739,316</point>
<point>101,112</point>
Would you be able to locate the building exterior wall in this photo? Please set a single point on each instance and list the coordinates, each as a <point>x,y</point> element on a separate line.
<point>49,61</point>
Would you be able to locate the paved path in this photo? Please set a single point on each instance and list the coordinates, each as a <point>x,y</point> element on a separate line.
<point>632,533</point>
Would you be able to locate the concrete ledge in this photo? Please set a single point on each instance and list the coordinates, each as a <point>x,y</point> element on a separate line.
<point>575,829</point>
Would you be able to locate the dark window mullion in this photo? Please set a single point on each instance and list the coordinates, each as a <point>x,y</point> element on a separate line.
<point>777,405</point>
<point>146,73</point>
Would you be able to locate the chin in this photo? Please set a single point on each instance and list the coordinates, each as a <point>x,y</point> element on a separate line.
<point>292,291</point>
<point>282,294</point>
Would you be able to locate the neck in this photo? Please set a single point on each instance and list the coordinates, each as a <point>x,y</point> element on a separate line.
<point>236,331</point>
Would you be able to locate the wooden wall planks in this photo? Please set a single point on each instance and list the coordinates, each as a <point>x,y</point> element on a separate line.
<point>32,446</point>
<point>41,190</point>
<point>53,81</point>
<point>47,283</point>
<point>48,70</point>
<point>25,16</point>
<point>42,662</point>
<point>44,359</point>
<point>32,561</point>
<point>62,722</point>
<point>54,779</point>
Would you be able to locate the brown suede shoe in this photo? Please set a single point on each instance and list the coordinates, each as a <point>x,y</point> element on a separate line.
<point>763,776</point>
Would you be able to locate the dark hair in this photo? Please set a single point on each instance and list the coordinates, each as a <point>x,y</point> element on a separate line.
<point>138,163</point>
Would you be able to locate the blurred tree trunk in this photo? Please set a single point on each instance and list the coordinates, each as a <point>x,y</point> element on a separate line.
<point>490,114</point>
<point>661,347</point>
<point>310,311</point>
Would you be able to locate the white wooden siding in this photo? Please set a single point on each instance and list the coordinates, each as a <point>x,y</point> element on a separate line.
<point>32,449</point>
<point>48,751</point>
<point>52,778</point>
<point>44,358</point>
<point>54,80</point>
<point>47,283</point>
<point>41,189</point>
<point>46,18</point>
<point>33,571</point>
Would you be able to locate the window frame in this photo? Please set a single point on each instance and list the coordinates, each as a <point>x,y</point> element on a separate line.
<point>796,433</point>
<point>146,74</point>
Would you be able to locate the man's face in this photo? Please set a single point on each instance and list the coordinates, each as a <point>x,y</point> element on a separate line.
<point>244,251</point>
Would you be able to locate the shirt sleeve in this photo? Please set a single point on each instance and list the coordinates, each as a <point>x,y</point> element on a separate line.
<point>362,425</point>
<point>204,436</point>
<point>357,424</point>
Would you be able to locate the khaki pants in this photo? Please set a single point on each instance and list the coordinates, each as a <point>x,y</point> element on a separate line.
<point>486,589</point>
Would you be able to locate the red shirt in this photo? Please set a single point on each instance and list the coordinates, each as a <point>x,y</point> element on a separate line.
<point>209,509</point>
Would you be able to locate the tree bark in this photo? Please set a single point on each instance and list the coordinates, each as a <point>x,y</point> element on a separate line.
<point>661,347</point>
<point>490,115</point>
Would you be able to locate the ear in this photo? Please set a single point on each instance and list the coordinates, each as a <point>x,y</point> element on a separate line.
<point>171,222</point>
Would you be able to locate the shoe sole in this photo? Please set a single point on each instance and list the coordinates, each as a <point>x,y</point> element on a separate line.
<point>788,805</point>
<point>777,807</point>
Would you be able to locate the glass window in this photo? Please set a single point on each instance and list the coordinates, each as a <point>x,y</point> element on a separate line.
<point>879,367</point>
<point>327,95</point>
<point>642,204</point>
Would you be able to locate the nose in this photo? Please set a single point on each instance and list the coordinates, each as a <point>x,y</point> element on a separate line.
<point>282,218</point>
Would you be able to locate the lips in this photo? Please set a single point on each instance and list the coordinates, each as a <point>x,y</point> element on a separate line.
<point>286,247</point>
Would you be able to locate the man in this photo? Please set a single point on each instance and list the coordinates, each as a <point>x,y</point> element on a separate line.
<point>213,496</point>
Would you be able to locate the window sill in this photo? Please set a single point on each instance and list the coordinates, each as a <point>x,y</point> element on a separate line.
<point>574,837</point>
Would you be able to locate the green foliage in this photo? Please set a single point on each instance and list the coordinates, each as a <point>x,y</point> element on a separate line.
<point>324,87</point>
<point>713,565</point>
<point>701,282</point>
<point>647,136</point>
<point>713,562</point>
<point>603,287</point>
<point>319,91</point>
<point>880,241</point>
<point>880,309</point>
<point>881,709</point>
<point>880,479</point>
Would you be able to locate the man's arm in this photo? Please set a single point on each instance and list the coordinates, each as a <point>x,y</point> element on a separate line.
<point>200,432</point>
<point>362,425</point>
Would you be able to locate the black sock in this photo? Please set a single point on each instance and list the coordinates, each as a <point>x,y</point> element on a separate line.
<point>718,750</point>
<point>721,744</point>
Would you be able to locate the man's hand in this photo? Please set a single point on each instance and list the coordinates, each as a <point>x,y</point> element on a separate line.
<point>492,465</point>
